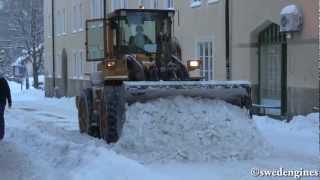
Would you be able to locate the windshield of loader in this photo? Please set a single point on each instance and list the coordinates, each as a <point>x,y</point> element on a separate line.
<point>138,32</point>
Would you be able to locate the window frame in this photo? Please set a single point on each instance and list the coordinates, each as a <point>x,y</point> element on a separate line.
<point>206,58</point>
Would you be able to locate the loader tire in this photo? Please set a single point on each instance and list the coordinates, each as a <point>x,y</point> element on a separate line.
<point>83,112</point>
<point>113,119</point>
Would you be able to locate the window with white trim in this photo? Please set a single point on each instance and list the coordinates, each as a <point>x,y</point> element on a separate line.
<point>96,8</point>
<point>169,4</point>
<point>114,5</point>
<point>63,21</point>
<point>80,18</point>
<point>74,64</point>
<point>205,53</point>
<point>74,18</point>
<point>82,63</point>
<point>58,24</point>
<point>49,25</point>
<point>58,65</point>
<point>155,4</point>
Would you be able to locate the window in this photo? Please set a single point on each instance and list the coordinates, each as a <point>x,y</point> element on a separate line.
<point>205,53</point>
<point>58,24</point>
<point>81,18</point>
<point>169,4</point>
<point>75,62</point>
<point>195,3</point>
<point>124,4</point>
<point>114,4</point>
<point>74,18</point>
<point>58,65</point>
<point>82,63</point>
<point>63,22</point>
<point>96,7</point>
<point>49,30</point>
<point>155,4</point>
<point>119,4</point>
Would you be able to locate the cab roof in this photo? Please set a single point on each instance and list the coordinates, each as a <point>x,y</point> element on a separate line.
<point>117,12</point>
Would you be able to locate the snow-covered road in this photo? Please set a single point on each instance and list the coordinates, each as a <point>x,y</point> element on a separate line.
<point>43,143</point>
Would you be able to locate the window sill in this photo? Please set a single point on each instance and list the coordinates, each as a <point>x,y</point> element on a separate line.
<point>213,1</point>
<point>195,4</point>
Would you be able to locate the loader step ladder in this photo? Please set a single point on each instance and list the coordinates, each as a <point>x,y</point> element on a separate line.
<point>258,107</point>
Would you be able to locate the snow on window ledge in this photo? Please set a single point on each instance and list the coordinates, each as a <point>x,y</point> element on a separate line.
<point>195,4</point>
<point>212,1</point>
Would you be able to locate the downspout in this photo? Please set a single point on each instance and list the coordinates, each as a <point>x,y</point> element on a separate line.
<point>104,9</point>
<point>227,39</point>
<point>53,46</point>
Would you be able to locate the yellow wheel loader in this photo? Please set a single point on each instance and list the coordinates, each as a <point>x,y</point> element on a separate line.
<point>140,60</point>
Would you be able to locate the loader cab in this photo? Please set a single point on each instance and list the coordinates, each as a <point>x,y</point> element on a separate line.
<point>128,31</point>
<point>138,31</point>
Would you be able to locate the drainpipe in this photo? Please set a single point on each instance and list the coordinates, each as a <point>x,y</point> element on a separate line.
<point>227,38</point>
<point>53,46</point>
<point>104,9</point>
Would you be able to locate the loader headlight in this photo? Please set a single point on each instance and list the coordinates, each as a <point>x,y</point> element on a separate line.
<point>110,64</point>
<point>194,63</point>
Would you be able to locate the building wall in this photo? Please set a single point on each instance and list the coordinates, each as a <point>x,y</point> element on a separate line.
<point>249,17</point>
<point>198,23</point>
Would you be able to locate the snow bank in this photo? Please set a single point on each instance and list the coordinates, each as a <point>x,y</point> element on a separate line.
<point>187,129</point>
<point>299,124</point>
<point>305,123</point>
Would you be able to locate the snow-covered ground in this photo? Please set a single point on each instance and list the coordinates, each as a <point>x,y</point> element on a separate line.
<point>43,143</point>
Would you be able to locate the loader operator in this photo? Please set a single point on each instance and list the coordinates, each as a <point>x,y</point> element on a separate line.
<point>4,96</point>
<point>140,39</point>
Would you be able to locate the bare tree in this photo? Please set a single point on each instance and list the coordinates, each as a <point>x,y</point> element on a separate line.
<point>27,22</point>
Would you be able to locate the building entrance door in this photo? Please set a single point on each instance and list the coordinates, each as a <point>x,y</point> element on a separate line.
<point>272,70</point>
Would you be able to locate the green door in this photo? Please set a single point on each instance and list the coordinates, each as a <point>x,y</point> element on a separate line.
<point>272,70</point>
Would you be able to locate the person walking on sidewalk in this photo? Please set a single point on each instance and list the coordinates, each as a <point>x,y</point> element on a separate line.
<point>5,95</point>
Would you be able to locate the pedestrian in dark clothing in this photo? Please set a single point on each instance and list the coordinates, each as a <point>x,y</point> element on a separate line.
<point>4,96</point>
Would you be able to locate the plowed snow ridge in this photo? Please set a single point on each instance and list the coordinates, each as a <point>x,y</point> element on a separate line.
<point>188,129</point>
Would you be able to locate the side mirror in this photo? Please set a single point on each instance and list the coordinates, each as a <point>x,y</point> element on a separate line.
<point>96,40</point>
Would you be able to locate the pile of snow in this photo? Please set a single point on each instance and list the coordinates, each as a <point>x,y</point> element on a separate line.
<point>305,123</point>
<point>299,124</point>
<point>189,130</point>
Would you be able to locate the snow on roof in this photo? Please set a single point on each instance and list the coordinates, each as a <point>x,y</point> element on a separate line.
<point>24,58</point>
<point>290,9</point>
<point>20,60</point>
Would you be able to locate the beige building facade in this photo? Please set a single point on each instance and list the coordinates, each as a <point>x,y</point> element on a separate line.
<point>230,36</point>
